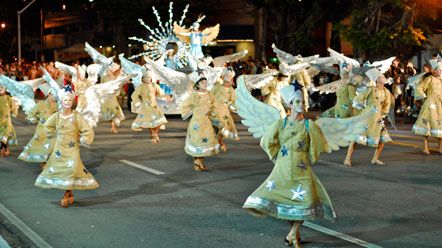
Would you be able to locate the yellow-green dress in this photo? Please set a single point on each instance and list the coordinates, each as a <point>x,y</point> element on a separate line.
<point>344,99</point>
<point>225,98</point>
<point>378,101</point>
<point>39,147</point>
<point>304,80</point>
<point>8,108</point>
<point>272,95</point>
<point>201,140</point>
<point>111,109</point>
<point>149,114</point>
<point>292,191</point>
<point>429,122</point>
<point>64,169</point>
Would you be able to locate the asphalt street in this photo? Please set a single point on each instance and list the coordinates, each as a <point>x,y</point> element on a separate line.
<point>165,203</point>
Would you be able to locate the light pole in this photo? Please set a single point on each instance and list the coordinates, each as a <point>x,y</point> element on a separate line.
<point>19,29</point>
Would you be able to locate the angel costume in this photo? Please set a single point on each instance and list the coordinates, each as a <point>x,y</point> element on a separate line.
<point>429,122</point>
<point>80,88</point>
<point>201,140</point>
<point>292,191</point>
<point>377,100</point>
<point>344,100</point>
<point>64,169</point>
<point>149,114</point>
<point>111,109</point>
<point>272,95</point>
<point>225,100</point>
<point>39,147</point>
<point>8,108</point>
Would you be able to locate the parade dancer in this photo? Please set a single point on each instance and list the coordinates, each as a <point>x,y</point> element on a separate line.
<point>375,98</point>
<point>111,110</point>
<point>429,122</point>
<point>225,102</point>
<point>64,169</point>
<point>40,147</point>
<point>150,115</point>
<point>8,109</point>
<point>70,128</point>
<point>201,139</point>
<point>272,94</point>
<point>292,191</point>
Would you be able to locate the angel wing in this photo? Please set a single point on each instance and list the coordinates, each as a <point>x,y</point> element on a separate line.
<point>181,32</point>
<point>335,85</point>
<point>23,92</point>
<point>256,115</point>
<point>34,83</point>
<point>178,81</point>
<point>340,132</point>
<point>283,56</point>
<point>256,81</point>
<point>93,70</point>
<point>415,80</point>
<point>222,60</point>
<point>98,57</point>
<point>97,95</point>
<point>210,33</point>
<point>315,69</point>
<point>55,87</point>
<point>383,65</point>
<point>131,68</point>
<point>340,58</point>
<point>292,69</point>
<point>67,69</point>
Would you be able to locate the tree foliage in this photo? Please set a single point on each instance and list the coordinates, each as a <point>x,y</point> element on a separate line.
<point>381,28</point>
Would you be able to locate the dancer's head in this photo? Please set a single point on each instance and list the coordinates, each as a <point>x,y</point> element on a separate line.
<point>292,96</point>
<point>376,76</point>
<point>200,84</point>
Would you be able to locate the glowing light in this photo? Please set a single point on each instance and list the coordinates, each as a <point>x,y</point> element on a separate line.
<point>113,46</point>
<point>3,25</point>
<point>101,46</point>
<point>63,6</point>
<point>129,45</point>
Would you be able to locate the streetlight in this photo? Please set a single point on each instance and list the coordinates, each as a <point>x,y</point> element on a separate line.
<point>3,25</point>
<point>19,29</point>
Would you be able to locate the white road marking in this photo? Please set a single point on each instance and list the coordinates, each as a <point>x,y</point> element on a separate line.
<point>3,243</point>
<point>339,235</point>
<point>37,240</point>
<point>141,167</point>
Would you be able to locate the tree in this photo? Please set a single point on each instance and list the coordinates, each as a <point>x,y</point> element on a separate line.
<point>389,27</point>
<point>291,22</point>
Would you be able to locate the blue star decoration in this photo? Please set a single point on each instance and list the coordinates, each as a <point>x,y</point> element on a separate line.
<point>205,140</point>
<point>71,144</point>
<point>67,88</point>
<point>196,127</point>
<point>57,154</point>
<point>284,151</point>
<point>298,193</point>
<point>270,185</point>
<point>301,144</point>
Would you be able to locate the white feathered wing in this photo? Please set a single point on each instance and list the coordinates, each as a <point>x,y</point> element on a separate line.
<point>96,95</point>
<point>256,115</point>
<point>23,92</point>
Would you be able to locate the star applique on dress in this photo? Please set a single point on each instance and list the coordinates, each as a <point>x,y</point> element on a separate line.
<point>298,193</point>
<point>71,144</point>
<point>284,151</point>
<point>57,154</point>
<point>205,140</point>
<point>271,185</point>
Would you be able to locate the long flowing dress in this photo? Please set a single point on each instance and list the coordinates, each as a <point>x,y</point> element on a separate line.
<point>429,122</point>
<point>292,191</point>
<point>201,139</point>
<point>64,169</point>
<point>343,107</point>
<point>39,147</point>
<point>225,98</point>
<point>8,108</point>
<point>149,113</point>
<point>111,109</point>
<point>272,95</point>
<point>378,101</point>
